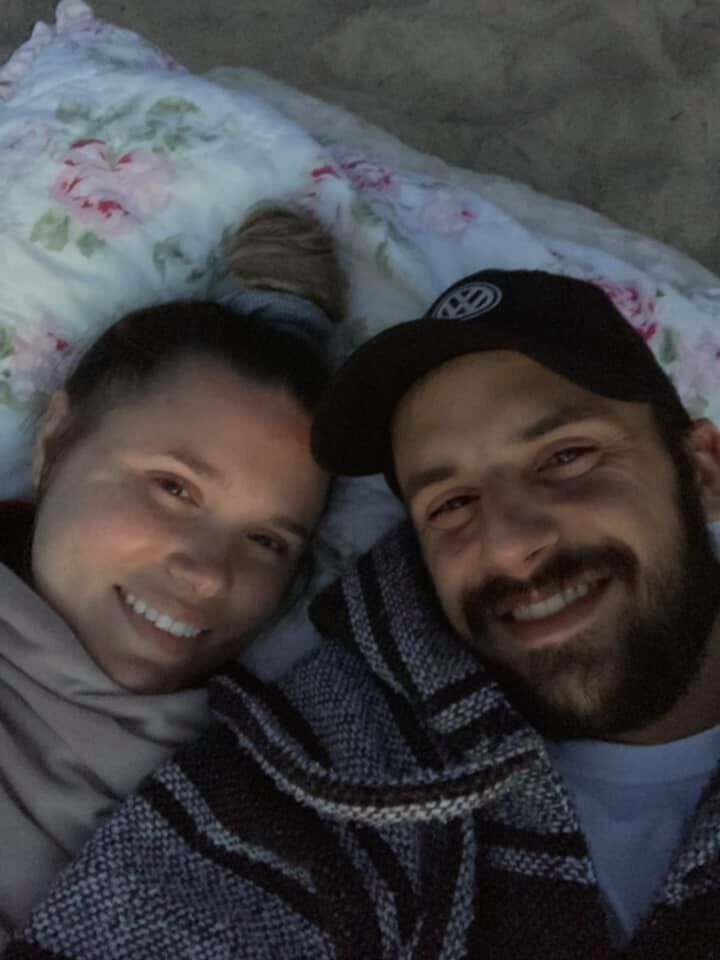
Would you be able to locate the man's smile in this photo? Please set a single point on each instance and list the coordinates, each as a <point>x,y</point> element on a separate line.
<point>557,616</point>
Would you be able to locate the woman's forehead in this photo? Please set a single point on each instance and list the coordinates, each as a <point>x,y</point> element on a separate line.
<point>194,388</point>
<point>234,424</point>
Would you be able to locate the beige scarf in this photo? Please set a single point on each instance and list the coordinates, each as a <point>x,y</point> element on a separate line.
<point>72,744</point>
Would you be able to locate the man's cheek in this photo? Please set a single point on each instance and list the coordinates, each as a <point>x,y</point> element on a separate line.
<point>451,602</point>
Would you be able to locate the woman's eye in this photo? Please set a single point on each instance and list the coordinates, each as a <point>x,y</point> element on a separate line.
<point>173,488</point>
<point>272,544</point>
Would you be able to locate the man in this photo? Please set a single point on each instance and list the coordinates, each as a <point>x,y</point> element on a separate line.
<point>514,756</point>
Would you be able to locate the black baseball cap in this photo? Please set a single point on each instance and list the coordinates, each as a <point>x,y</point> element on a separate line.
<point>569,326</point>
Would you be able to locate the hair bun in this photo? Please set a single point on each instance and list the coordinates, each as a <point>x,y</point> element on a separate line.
<point>285,249</point>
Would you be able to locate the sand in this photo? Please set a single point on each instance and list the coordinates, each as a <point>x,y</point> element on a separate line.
<point>611,103</point>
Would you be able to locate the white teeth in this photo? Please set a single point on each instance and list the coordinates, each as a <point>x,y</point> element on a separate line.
<point>553,604</point>
<point>161,620</point>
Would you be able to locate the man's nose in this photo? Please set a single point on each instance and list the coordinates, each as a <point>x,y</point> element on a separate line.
<point>515,530</point>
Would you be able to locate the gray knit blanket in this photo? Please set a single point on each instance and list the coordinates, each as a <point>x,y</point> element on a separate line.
<point>385,802</point>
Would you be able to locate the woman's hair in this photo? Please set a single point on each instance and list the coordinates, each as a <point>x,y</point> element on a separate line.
<point>276,248</point>
<point>286,249</point>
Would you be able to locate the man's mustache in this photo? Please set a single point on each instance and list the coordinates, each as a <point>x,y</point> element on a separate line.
<point>612,560</point>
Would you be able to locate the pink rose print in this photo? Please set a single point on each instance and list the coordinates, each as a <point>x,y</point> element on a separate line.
<point>38,363</point>
<point>446,213</point>
<point>634,304</point>
<point>325,172</point>
<point>112,194</point>
<point>697,371</point>
<point>369,177</point>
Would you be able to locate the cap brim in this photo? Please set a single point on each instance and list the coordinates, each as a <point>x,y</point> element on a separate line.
<point>351,427</point>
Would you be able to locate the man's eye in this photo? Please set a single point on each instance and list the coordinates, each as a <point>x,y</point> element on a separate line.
<point>567,457</point>
<point>451,506</point>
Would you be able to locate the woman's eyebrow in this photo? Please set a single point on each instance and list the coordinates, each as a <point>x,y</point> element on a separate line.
<point>199,466</point>
<point>291,526</point>
<point>204,469</point>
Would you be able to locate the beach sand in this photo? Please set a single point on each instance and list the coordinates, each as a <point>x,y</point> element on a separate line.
<point>611,103</point>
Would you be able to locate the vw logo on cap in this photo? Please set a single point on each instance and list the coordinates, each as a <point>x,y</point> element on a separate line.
<point>467,302</point>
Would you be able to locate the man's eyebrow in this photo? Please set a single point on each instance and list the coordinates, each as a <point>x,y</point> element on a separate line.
<point>199,466</point>
<point>425,478</point>
<point>564,417</point>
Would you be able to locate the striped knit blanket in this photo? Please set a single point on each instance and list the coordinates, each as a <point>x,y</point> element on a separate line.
<point>385,802</point>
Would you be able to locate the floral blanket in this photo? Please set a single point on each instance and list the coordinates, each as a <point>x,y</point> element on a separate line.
<point>122,177</point>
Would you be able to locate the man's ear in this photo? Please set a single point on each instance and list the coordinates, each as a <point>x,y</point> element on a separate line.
<point>703,447</point>
<point>53,425</point>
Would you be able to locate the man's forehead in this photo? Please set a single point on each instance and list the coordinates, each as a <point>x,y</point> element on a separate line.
<point>490,389</point>
<point>452,423</point>
<point>454,442</point>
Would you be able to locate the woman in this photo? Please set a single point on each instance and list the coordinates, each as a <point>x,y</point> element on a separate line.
<point>176,502</point>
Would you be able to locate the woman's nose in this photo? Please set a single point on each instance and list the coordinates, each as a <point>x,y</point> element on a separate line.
<point>206,574</point>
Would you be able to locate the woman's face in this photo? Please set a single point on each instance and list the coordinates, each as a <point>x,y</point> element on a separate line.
<point>168,536</point>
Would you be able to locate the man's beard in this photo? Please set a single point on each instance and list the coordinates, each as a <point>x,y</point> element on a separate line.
<point>579,689</point>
